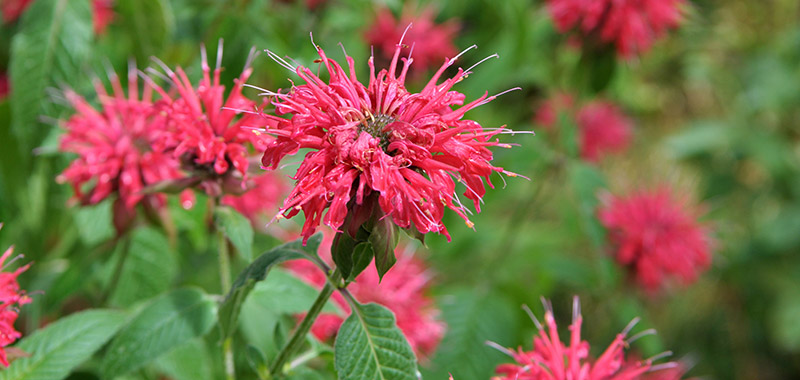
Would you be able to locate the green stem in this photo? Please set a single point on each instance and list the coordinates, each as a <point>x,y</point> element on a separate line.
<point>302,330</point>
<point>126,248</point>
<point>225,285</point>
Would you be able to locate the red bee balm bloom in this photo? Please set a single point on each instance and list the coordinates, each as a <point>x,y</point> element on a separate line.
<point>402,290</point>
<point>409,148</point>
<point>431,43</point>
<point>656,237</point>
<point>12,9</point>
<point>103,13</point>
<point>632,25</point>
<point>603,129</point>
<point>114,145</point>
<point>551,359</point>
<point>202,126</point>
<point>263,194</point>
<point>11,297</point>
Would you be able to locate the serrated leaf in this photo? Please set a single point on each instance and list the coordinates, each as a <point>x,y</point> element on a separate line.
<point>167,322</point>
<point>150,21</point>
<point>190,361</point>
<point>257,271</point>
<point>148,270</point>
<point>63,345</point>
<point>52,45</point>
<point>472,319</point>
<point>370,346</point>
<point>237,229</point>
<point>94,223</point>
<point>383,238</point>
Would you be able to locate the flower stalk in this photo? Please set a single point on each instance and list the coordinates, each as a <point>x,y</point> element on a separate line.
<point>276,369</point>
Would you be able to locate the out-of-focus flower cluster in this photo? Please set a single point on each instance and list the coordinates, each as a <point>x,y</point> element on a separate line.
<point>602,127</point>
<point>11,298</point>
<point>631,25</point>
<point>656,236</point>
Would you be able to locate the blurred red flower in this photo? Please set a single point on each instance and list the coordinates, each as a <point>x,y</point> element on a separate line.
<point>11,297</point>
<point>4,86</point>
<point>656,236</point>
<point>207,132</point>
<point>551,359</point>
<point>115,146</point>
<point>380,142</point>
<point>102,10</point>
<point>602,126</point>
<point>402,290</point>
<point>632,25</point>
<point>264,192</point>
<point>430,43</point>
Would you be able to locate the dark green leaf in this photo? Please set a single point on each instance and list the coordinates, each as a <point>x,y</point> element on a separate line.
<point>362,256</point>
<point>190,361</point>
<point>52,45</point>
<point>384,238</point>
<point>257,271</point>
<point>168,322</point>
<point>94,223</point>
<point>258,362</point>
<point>62,346</point>
<point>342,252</point>
<point>148,270</point>
<point>237,229</point>
<point>472,319</point>
<point>370,346</point>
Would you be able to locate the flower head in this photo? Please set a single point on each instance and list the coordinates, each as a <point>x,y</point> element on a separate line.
<point>103,13</point>
<point>115,145</point>
<point>656,236</point>
<point>552,359</point>
<point>431,43</point>
<point>602,127</point>
<point>12,9</point>
<point>631,25</point>
<point>380,142</point>
<point>209,133</point>
<point>402,290</point>
<point>11,297</point>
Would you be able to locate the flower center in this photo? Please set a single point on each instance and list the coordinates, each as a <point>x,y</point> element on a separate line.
<point>375,125</point>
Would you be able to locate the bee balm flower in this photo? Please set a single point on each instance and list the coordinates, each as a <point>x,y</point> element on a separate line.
<point>207,132</point>
<point>632,25</point>
<point>11,297</point>
<point>380,142</point>
<point>552,359</point>
<point>115,146</point>
<point>656,237</point>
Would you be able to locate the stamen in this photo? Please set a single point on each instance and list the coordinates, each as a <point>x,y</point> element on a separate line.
<point>640,335</point>
<point>219,54</point>
<point>469,70</point>
<point>576,308</point>
<point>280,61</point>
<point>532,317</point>
<point>662,355</point>
<point>499,348</point>
<point>251,57</point>
<point>630,326</point>
<point>453,60</point>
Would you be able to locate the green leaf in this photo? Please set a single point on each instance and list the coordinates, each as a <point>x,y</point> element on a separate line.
<point>257,271</point>
<point>237,229</point>
<point>50,49</point>
<point>167,322</point>
<point>150,22</point>
<point>384,238</point>
<point>587,181</point>
<point>369,346</point>
<point>190,361</point>
<point>362,256</point>
<point>149,269</point>
<point>472,319</point>
<point>63,345</point>
<point>342,253</point>
<point>94,223</point>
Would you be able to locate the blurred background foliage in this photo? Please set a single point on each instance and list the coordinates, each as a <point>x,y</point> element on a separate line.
<point>716,113</point>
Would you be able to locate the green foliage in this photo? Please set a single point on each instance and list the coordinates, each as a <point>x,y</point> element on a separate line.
<point>150,21</point>
<point>164,324</point>
<point>237,229</point>
<point>370,346</point>
<point>49,50</point>
<point>148,270</point>
<point>257,271</point>
<point>64,345</point>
